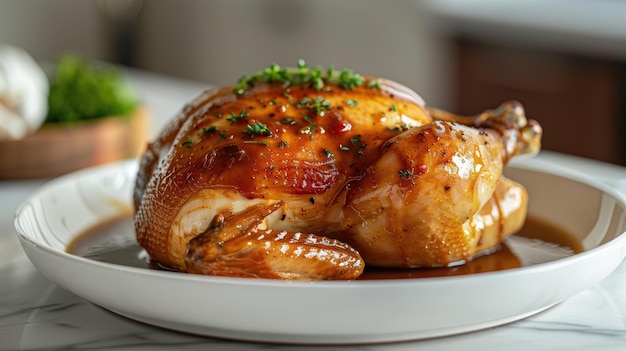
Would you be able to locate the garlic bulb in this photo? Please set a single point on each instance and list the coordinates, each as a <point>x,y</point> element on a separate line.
<point>23,93</point>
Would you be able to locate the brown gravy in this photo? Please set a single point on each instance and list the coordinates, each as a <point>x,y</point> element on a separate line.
<point>538,241</point>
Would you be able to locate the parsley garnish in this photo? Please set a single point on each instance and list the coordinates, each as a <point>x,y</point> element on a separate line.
<point>374,84</point>
<point>318,105</point>
<point>234,117</point>
<point>401,128</point>
<point>406,173</point>
<point>274,74</point>
<point>260,142</point>
<point>257,128</point>
<point>308,129</point>
<point>315,78</point>
<point>288,120</point>
<point>306,101</point>
<point>188,143</point>
<point>349,80</point>
<point>207,130</point>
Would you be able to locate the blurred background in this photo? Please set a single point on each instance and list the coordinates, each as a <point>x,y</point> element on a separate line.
<point>563,60</point>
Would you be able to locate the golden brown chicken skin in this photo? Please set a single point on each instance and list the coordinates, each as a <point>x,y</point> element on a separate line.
<point>317,179</point>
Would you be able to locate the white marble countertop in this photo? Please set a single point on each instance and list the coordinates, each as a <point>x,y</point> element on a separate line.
<point>36,314</point>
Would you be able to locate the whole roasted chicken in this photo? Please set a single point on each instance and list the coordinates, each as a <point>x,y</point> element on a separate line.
<point>310,174</point>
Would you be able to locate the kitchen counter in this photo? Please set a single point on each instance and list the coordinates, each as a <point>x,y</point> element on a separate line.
<point>36,314</point>
<point>581,27</point>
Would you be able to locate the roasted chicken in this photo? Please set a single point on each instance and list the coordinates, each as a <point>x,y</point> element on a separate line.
<point>309,174</point>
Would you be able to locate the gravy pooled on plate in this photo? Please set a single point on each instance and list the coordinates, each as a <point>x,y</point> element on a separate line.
<point>538,241</point>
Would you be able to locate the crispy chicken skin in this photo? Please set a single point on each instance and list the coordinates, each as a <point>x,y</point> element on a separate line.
<point>317,180</point>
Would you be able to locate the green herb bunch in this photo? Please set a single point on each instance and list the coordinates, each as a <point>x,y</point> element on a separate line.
<point>83,91</point>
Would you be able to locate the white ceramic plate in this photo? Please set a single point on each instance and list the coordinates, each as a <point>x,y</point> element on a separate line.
<point>328,312</point>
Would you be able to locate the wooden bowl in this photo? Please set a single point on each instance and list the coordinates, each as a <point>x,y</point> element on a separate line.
<point>58,149</point>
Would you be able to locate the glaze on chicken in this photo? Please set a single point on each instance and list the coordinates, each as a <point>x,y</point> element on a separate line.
<point>309,175</point>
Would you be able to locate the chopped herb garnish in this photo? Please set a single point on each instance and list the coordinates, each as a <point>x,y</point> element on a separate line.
<point>188,143</point>
<point>401,128</point>
<point>328,153</point>
<point>283,144</point>
<point>349,80</point>
<point>393,107</point>
<point>272,167</point>
<point>274,74</point>
<point>355,139</point>
<point>306,101</point>
<point>374,84</point>
<point>344,148</point>
<point>308,129</point>
<point>315,78</point>
<point>318,105</point>
<point>260,142</point>
<point>406,173</point>
<point>234,117</point>
<point>207,130</point>
<point>257,128</point>
<point>288,120</point>
<point>352,102</point>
